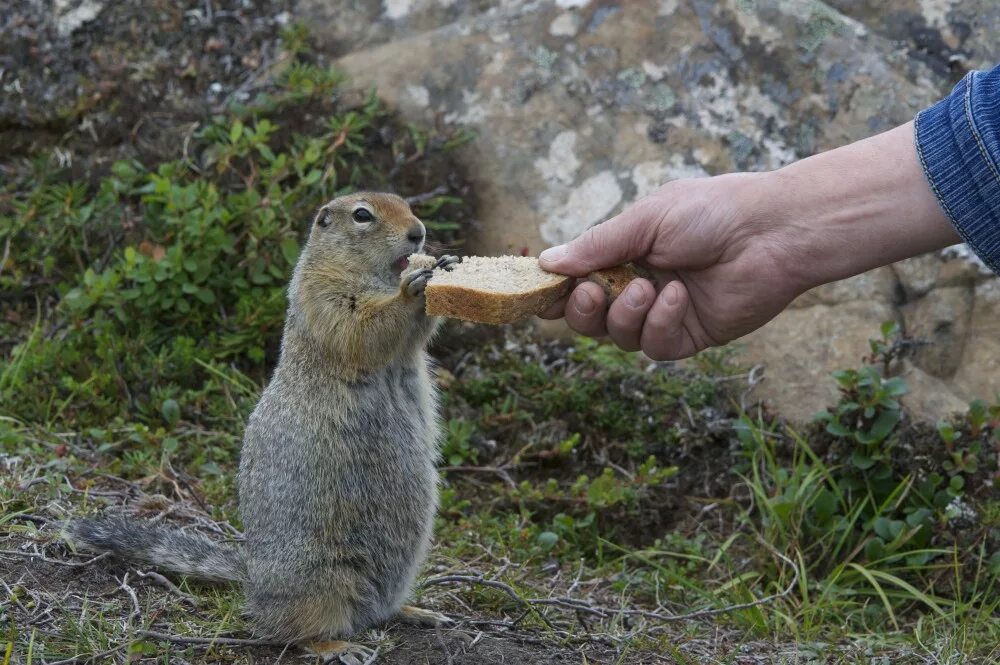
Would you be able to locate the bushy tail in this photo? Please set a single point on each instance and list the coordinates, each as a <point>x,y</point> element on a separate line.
<point>159,546</point>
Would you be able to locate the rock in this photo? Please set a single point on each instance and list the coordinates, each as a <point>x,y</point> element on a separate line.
<point>802,347</point>
<point>978,374</point>
<point>90,82</point>
<point>917,276</point>
<point>942,319</point>
<point>573,122</point>
<point>950,36</point>
<point>879,285</point>
<point>579,108</point>
<point>954,266</point>
<point>928,398</point>
<point>70,17</point>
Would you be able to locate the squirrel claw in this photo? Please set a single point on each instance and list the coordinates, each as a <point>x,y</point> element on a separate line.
<point>418,616</point>
<point>447,262</point>
<point>348,653</point>
<point>415,282</point>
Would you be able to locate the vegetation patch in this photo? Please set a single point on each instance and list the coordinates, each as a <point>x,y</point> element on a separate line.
<point>596,507</point>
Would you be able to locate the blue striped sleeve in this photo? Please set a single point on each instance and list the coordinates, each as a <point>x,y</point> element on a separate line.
<point>958,141</point>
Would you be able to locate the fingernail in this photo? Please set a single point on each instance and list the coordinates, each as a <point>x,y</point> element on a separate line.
<point>670,294</point>
<point>553,254</point>
<point>635,295</point>
<point>583,303</point>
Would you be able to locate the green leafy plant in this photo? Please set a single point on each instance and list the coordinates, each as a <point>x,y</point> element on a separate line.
<point>160,271</point>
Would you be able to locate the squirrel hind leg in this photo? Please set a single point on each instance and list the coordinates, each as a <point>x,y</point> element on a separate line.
<point>338,651</point>
<point>418,616</point>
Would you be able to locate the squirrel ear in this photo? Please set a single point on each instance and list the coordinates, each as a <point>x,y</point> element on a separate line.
<point>323,217</point>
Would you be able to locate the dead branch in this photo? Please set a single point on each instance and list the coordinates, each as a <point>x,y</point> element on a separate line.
<point>483,469</point>
<point>223,641</point>
<point>582,606</point>
<point>425,196</point>
<point>169,586</point>
<point>83,658</point>
<point>495,584</point>
<point>42,557</point>
<point>136,610</point>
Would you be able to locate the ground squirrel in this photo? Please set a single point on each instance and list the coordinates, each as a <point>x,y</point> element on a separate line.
<point>337,483</point>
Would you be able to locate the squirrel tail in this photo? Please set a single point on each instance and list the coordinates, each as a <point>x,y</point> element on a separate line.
<point>159,546</point>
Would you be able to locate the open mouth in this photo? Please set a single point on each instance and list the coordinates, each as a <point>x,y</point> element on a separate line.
<point>402,263</point>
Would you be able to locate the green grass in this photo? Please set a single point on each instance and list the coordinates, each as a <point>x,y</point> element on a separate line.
<point>142,314</point>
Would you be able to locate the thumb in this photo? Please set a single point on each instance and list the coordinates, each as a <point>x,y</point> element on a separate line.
<point>618,240</point>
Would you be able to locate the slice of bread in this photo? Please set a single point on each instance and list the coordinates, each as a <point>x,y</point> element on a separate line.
<point>506,289</point>
<point>494,290</point>
<point>614,280</point>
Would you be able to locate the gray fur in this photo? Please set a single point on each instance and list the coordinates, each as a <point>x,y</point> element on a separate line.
<point>338,480</point>
<point>172,549</point>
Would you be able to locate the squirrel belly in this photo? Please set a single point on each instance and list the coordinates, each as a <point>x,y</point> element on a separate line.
<point>337,510</point>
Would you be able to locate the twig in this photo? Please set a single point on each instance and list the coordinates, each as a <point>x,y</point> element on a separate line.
<point>170,586</point>
<point>83,658</point>
<point>450,660</point>
<point>136,610</point>
<point>426,196</point>
<point>13,597</point>
<point>494,584</point>
<point>578,605</point>
<point>6,254</point>
<point>36,519</point>
<point>190,490</point>
<point>576,582</point>
<point>754,377</point>
<point>71,564</point>
<point>225,641</point>
<point>483,469</point>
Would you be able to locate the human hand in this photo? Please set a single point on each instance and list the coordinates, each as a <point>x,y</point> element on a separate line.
<point>729,253</point>
<point>720,268</point>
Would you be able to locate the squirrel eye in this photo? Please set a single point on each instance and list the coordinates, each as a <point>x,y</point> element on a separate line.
<point>362,215</point>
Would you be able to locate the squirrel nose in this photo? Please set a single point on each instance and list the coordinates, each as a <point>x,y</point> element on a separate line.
<point>416,233</point>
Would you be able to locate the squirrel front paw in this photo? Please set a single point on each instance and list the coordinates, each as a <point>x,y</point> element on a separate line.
<point>414,283</point>
<point>447,262</point>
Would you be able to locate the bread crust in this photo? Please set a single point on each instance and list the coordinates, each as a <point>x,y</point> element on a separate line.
<point>491,307</point>
<point>481,305</point>
<point>615,280</point>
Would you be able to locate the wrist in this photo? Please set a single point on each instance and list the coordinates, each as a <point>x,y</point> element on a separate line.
<point>849,210</point>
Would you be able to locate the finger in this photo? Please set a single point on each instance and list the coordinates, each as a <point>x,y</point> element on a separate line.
<point>663,335</point>
<point>557,309</point>
<point>585,311</point>
<point>618,240</point>
<point>628,312</point>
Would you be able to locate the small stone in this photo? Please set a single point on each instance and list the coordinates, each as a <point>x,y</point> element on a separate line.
<point>942,318</point>
<point>564,25</point>
<point>658,132</point>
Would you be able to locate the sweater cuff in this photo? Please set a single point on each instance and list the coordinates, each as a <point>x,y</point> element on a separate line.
<point>959,167</point>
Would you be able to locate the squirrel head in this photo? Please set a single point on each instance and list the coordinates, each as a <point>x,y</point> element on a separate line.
<point>367,234</point>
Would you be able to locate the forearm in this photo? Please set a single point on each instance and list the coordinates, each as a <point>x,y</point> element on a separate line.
<point>856,208</point>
